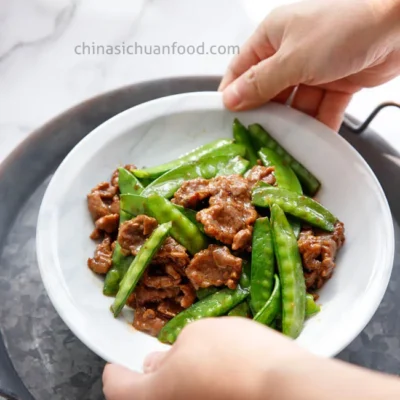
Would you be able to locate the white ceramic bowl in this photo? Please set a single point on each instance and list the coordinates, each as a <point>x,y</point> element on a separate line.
<point>161,130</point>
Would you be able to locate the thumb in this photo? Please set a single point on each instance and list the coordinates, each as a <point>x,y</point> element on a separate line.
<point>261,83</point>
<point>153,361</point>
<point>120,383</point>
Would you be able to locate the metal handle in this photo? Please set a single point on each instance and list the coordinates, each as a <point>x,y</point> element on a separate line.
<point>361,128</point>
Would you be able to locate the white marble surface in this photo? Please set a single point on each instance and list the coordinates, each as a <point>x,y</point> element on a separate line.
<point>40,74</point>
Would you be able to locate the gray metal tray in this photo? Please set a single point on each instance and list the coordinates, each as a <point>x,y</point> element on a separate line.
<point>40,357</point>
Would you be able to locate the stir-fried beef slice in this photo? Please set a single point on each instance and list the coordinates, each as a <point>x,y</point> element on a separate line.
<point>188,296</point>
<point>103,204</point>
<point>242,240</point>
<point>231,215</point>
<point>132,234</point>
<point>214,266</point>
<point>114,206</point>
<point>108,223</point>
<point>161,276</point>
<point>96,234</point>
<point>169,308</point>
<point>148,320</point>
<point>100,199</point>
<point>172,253</point>
<point>232,188</point>
<point>193,192</point>
<point>230,223</point>
<point>174,271</point>
<point>144,294</point>
<point>261,173</point>
<point>230,211</point>
<point>114,179</point>
<point>102,260</point>
<point>318,250</point>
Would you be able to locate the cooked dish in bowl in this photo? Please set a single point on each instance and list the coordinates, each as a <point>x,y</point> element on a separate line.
<point>224,230</point>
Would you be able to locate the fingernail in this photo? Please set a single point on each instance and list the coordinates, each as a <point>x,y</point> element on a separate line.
<point>231,96</point>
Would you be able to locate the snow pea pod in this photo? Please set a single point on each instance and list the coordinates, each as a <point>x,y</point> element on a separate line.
<point>284,175</point>
<point>215,148</point>
<point>312,307</point>
<point>261,138</point>
<point>138,266</point>
<point>245,277</point>
<point>183,230</point>
<point>241,310</point>
<point>187,232</point>
<point>202,293</point>
<point>191,215</point>
<point>235,166</point>
<point>242,136</point>
<point>290,270</point>
<point>262,264</point>
<point>285,178</point>
<point>295,224</point>
<point>124,216</point>
<point>294,204</point>
<point>120,265</point>
<point>128,183</point>
<point>166,185</point>
<point>215,305</point>
<point>271,308</point>
<point>133,204</point>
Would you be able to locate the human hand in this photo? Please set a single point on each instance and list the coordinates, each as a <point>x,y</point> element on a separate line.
<point>212,359</point>
<point>327,49</point>
<point>235,358</point>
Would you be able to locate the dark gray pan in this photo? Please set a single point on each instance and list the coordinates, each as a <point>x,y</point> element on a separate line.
<point>40,353</point>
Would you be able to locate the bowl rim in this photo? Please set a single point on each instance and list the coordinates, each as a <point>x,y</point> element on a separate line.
<point>192,101</point>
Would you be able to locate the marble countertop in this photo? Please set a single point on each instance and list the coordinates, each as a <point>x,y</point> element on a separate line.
<point>41,73</point>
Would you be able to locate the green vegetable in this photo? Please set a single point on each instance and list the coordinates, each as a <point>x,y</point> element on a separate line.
<point>214,305</point>
<point>245,277</point>
<point>242,136</point>
<point>138,266</point>
<point>290,273</point>
<point>262,264</point>
<point>202,293</point>
<point>284,175</point>
<point>183,230</point>
<point>241,310</point>
<point>295,224</point>
<point>124,216</point>
<point>235,166</point>
<point>133,204</point>
<point>191,215</point>
<point>120,265</point>
<point>285,178</point>
<point>271,308</point>
<point>261,138</point>
<point>128,183</point>
<point>215,148</point>
<point>312,307</point>
<point>299,206</point>
<point>166,185</point>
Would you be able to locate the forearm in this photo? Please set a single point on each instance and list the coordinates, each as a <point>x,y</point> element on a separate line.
<point>318,379</point>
